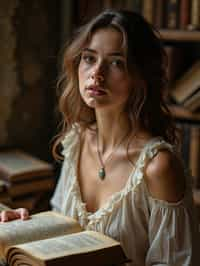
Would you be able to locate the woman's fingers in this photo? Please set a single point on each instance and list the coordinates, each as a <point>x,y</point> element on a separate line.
<point>9,215</point>
<point>23,213</point>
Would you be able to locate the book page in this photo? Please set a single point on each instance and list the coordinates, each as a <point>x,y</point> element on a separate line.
<point>40,226</point>
<point>3,207</point>
<point>82,242</point>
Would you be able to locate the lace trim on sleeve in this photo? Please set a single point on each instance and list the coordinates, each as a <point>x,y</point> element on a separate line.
<point>69,142</point>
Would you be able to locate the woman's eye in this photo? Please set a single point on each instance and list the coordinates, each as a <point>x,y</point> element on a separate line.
<point>88,59</point>
<point>117,63</point>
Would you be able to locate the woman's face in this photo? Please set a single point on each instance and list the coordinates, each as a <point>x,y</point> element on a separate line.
<point>104,80</point>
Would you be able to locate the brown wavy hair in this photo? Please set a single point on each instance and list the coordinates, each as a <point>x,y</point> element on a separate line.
<point>145,53</point>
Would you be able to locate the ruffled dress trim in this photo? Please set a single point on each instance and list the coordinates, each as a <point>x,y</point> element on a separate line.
<point>71,148</point>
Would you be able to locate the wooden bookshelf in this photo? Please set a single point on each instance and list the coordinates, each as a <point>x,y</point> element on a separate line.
<point>196,196</point>
<point>181,113</point>
<point>180,35</point>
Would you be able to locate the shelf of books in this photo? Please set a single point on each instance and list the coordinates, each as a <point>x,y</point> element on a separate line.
<point>180,35</point>
<point>184,114</point>
<point>183,52</point>
<point>178,22</point>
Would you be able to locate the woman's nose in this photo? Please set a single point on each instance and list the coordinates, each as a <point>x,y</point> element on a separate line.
<point>98,76</point>
<point>98,73</point>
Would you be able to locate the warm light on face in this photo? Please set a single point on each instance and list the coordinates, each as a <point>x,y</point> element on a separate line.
<point>105,57</point>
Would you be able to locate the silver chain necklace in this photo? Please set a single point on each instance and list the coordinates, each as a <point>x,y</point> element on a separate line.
<point>102,170</point>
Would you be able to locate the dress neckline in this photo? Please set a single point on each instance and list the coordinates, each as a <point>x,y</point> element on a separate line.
<point>118,195</point>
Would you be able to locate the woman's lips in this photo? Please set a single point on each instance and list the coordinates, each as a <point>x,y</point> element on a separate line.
<point>96,90</point>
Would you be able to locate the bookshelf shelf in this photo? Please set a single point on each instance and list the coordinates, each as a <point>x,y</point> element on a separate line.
<point>180,35</point>
<point>181,113</point>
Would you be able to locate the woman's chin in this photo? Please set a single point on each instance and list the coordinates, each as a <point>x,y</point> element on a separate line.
<point>93,102</point>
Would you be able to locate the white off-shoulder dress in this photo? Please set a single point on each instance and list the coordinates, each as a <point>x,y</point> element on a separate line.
<point>152,232</point>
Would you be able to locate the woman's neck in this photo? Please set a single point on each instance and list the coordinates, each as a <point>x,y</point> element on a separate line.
<point>111,129</point>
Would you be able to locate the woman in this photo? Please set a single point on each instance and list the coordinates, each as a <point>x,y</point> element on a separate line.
<point>121,174</point>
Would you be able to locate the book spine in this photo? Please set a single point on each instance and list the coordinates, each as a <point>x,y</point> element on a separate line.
<point>195,14</point>
<point>185,145</point>
<point>147,10</point>
<point>107,4</point>
<point>137,6</point>
<point>176,63</point>
<point>158,15</point>
<point>129,4</point>
<point>172,14</point>
<point>192,103</point>
<point>118,4</point>
<point>187,84</point>
<point>179,136</point>
<point>170,51</point>
<point>25,188</point>
<point>184,13</point>
<point>194,154</point>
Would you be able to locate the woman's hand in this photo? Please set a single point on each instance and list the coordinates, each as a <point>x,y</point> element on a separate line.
<point>9,215</point>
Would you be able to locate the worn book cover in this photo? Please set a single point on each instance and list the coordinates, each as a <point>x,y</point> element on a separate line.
<point>16,165</point>
<point>28,187</point>
<point>187,85</point>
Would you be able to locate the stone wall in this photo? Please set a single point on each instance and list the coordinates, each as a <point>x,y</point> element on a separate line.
<point>28,71</point>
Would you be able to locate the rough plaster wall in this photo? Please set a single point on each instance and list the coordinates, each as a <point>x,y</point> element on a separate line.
<point>29,79</point>
<point>8,76</point>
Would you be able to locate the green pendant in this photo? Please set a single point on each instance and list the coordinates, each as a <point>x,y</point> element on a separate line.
<point>102,173</point>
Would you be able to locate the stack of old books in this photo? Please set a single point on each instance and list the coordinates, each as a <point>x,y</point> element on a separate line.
<point>25,181</point>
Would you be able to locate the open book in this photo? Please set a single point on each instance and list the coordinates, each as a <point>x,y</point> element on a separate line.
<point>49,238</point>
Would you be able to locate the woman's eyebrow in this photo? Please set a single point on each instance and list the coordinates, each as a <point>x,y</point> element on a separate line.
<point>109,54</point>
<point>89,50</point>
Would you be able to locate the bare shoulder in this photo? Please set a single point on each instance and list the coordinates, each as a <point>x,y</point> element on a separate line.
<point>165,177</point>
